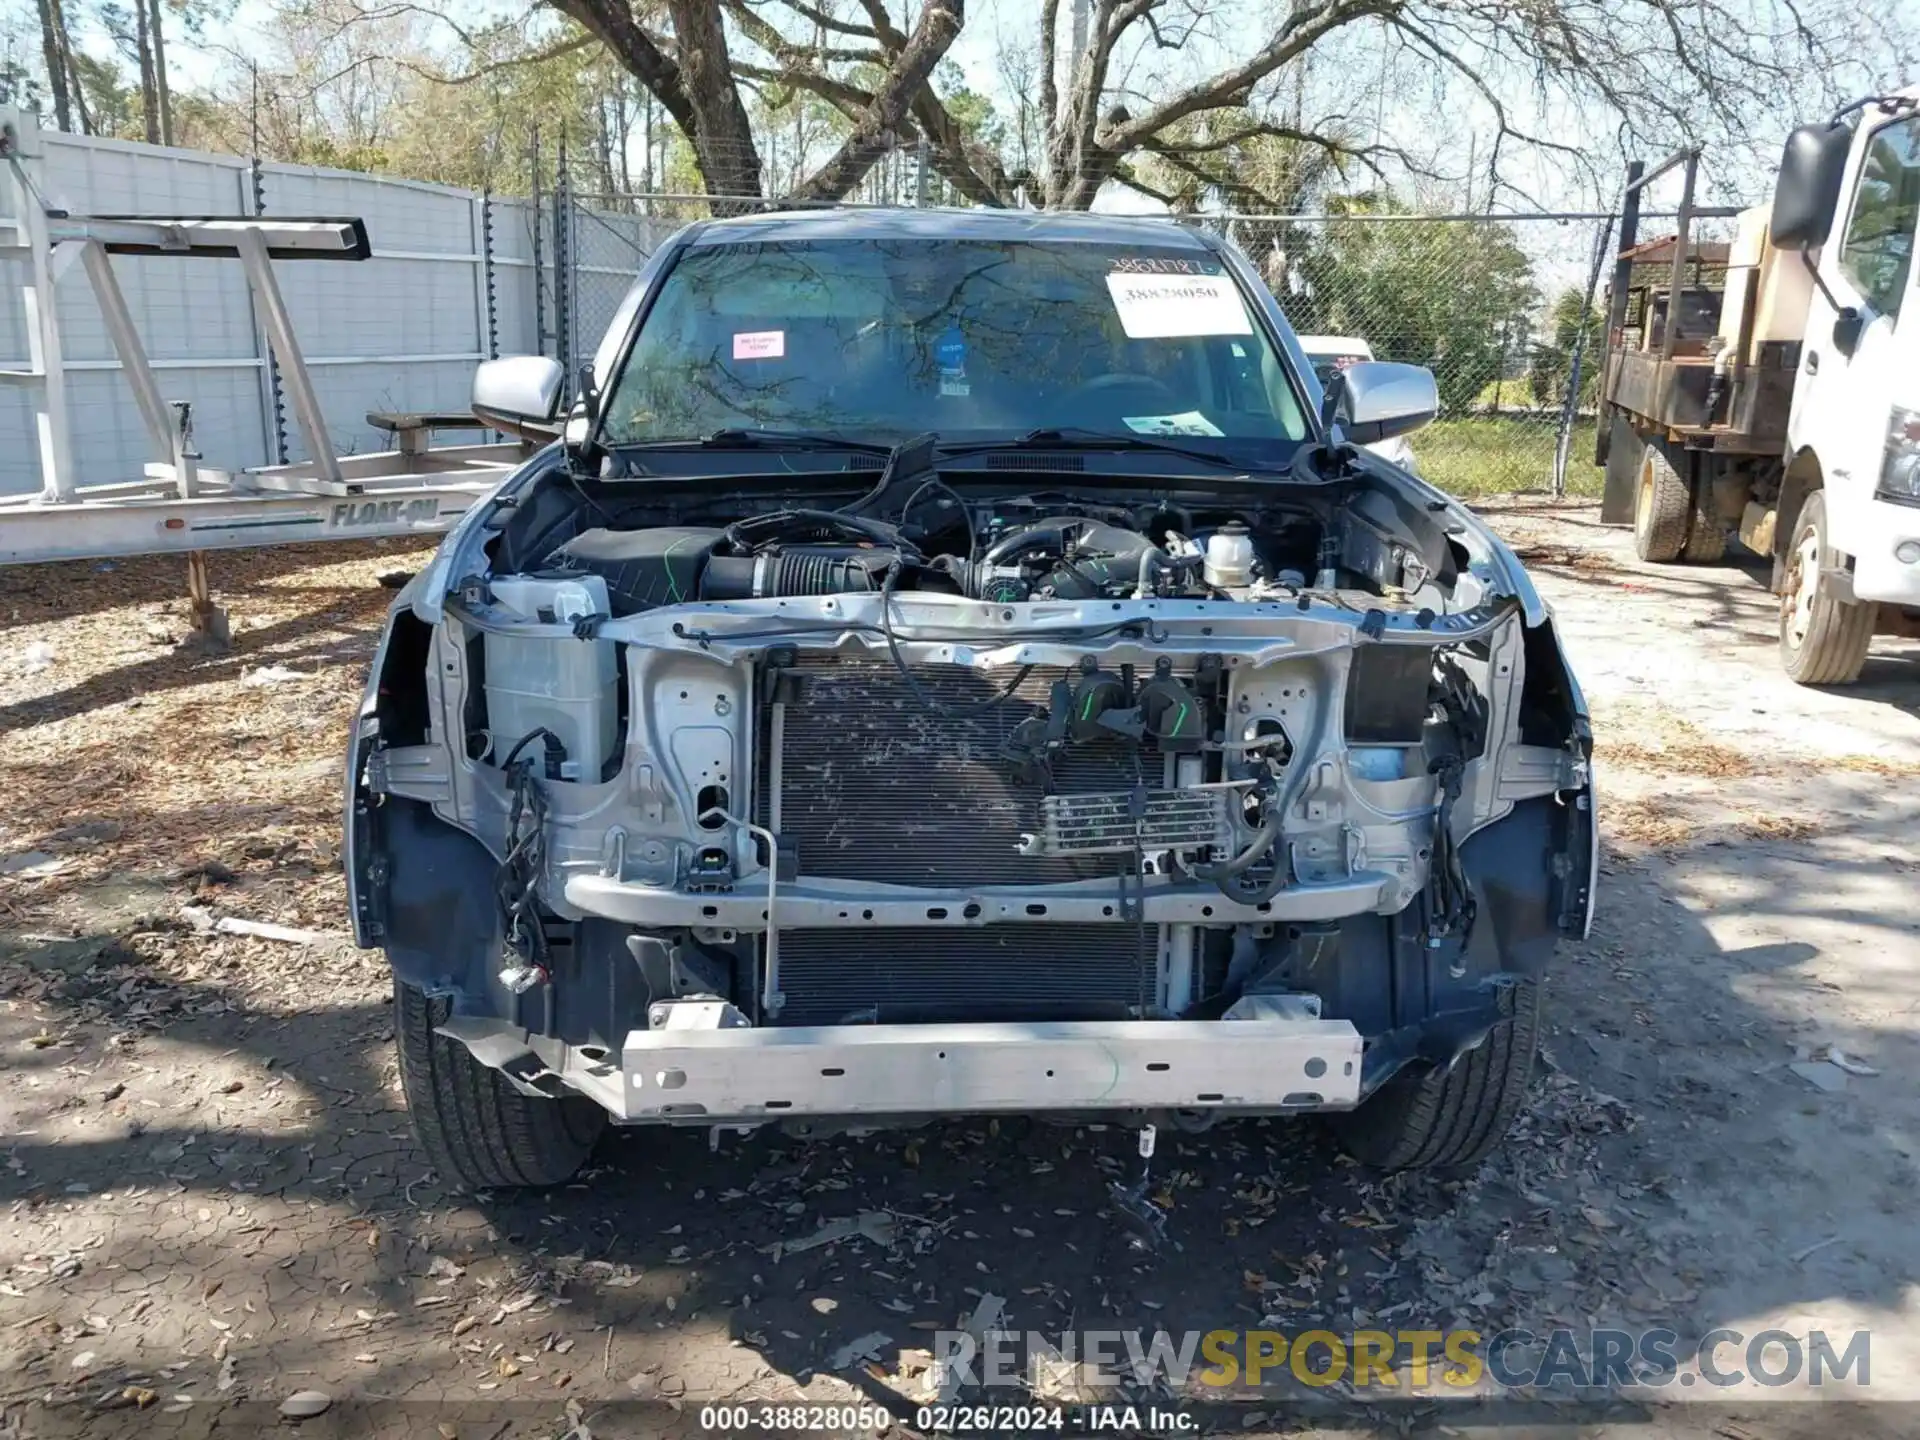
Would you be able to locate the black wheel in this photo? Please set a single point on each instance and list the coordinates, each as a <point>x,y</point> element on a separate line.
<point>478,1131</point>
<point>1706,532</point>
<point>1823,641</point>
<point>1454,1116</point>
<point>1662,507</point>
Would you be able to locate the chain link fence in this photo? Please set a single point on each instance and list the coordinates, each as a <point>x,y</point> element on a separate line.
<point>1508,311</point>
<point>1504,310</point>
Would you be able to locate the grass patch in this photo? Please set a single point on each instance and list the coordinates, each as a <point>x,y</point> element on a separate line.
<point>1501,454</point>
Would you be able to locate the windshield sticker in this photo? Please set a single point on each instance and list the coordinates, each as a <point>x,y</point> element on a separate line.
<point>1168,307</point>
<point>951,356</point>
<point>759,344</point>
<point>1187,422</point>
<point>1161,265</point>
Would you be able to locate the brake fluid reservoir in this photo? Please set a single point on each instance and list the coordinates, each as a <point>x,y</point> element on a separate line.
<point>1229,561</point>
<point>560,683</point>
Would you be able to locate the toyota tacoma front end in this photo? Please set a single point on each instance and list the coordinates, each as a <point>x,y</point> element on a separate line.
<point>1182,764</point>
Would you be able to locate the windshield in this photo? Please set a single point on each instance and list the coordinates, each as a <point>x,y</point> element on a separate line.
<point>882,339</point>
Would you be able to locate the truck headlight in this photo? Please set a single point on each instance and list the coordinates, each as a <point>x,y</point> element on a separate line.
<point>1900,469</point>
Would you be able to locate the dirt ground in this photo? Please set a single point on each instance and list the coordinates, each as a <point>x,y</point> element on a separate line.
<point>213,1202</point>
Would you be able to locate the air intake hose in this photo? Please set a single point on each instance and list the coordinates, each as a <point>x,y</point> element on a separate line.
<point>802,570</point>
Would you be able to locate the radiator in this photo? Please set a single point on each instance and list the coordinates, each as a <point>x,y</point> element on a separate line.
<point>874,786</point>
<point>999,972</point>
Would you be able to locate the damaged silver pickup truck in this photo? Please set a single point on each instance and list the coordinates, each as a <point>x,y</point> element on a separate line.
<point>961,663</point>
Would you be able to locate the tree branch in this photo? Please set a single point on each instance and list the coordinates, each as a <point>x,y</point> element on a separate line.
<point>793,52</point>
<point>1304,27</point>
<point>494,67</point>
<point>873,133</point>
<point>1129,177</point>
<point>826,21</point>
<point>722,135</point>
<point>848,99</point>
<point>884,30</point>
<point>974,170</point>
<point>612,22</point>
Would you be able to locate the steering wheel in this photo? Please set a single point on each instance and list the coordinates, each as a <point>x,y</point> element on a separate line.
<point>1122,380</point>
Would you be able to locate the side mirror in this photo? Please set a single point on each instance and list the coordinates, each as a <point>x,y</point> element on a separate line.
<point>1808,190</point>
<point>520,394</point>
<point>1378,399</point>
<point>1847,327</point>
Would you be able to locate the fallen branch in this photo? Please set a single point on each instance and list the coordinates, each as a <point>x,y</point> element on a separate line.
<point>206,922</point>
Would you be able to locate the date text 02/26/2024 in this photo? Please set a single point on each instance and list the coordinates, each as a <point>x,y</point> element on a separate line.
<point>1084,1419</point>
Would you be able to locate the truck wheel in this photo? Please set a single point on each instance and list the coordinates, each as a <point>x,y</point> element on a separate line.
<point>1454,1116</point>
<point>1662,507</point>
<point>478,1131</point>
<point>1823,641</point>
<point>1706,531</point>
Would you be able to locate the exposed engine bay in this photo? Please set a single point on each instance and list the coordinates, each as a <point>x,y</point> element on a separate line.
<point>964,749</point>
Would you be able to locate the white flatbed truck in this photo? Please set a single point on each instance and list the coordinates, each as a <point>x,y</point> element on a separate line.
<point>1784,406</point>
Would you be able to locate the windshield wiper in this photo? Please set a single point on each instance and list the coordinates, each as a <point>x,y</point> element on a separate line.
<point>757,439</point>
<point>1077,437</point>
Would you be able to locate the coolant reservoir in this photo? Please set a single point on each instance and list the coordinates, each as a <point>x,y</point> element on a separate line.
<point>1229,562</point>
<point>563,684</point>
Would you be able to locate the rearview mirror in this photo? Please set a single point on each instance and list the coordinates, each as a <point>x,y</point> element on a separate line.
<point>519,394</point>
<point>1808,190</point>
<point>1378,399</point>
<point>1847,328</point>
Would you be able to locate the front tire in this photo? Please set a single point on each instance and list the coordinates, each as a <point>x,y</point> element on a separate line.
<point>1823,640</point>
<point>475,1128</point>
<point>1662,507</point>
<point>1454,1116</point>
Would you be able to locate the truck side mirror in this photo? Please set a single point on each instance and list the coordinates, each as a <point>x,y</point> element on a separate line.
<point>1378,399</point>
<point>1808,190</point>
<point>1847,326</point>
<point>520,395</point>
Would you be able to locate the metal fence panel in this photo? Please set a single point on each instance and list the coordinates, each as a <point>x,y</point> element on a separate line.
<point>195,316</point>
<point>514,278</point>
<point>401,331</point>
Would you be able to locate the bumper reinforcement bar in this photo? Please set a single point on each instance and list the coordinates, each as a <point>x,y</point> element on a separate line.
<point>701,1075</point>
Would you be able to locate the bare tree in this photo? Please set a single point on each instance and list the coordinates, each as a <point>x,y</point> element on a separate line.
<point>162,93</point>
<point>1138,91</point>
<point>690,68</point>
<point>1260,101</point>
<point>143,49</point>
<point>53,50</point>
<point>1658,70</point>
<point>1017,68</point>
